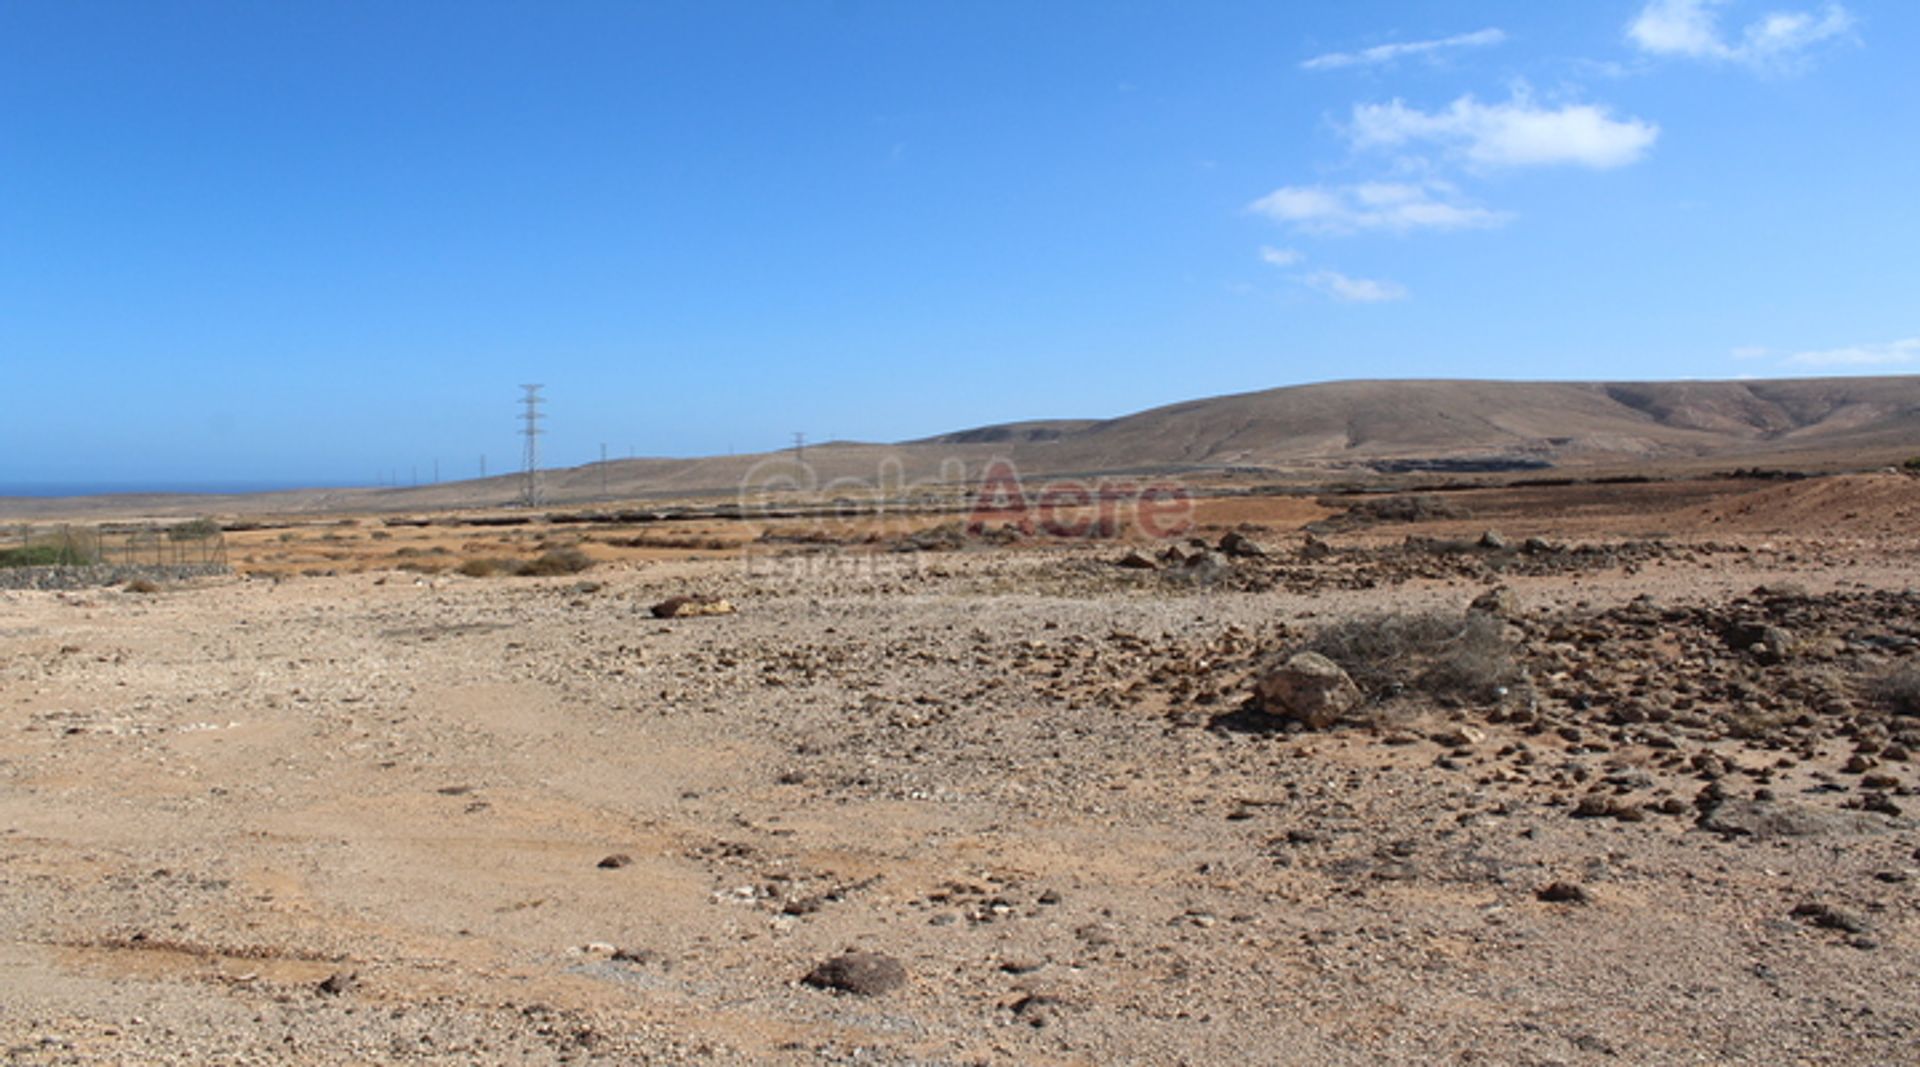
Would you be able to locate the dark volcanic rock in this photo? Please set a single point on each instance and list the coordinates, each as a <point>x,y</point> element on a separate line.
<point>1765,819</point>
<point>866,974</point>
<point>1563,893</point>
<point>1828,917</point>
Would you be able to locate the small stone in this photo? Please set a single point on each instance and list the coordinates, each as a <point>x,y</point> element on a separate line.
<point>1563,893</point>
<point>1235,543</point>
<point>1138,561</point>
<point>1499,602</point>
<point>615,862</point>
<point>1493,541</point>
<point>1828,917</point>
<point>686,607</point>
<point>1593,806</point>
<point>865,974</point>
<point>1036,1009</point>
<point>1458,737</point>
<point>337,983</point>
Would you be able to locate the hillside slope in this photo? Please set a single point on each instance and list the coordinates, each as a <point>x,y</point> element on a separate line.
<point>1325,429</point>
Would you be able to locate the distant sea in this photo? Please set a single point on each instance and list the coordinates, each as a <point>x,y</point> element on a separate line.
<point>58,489</point>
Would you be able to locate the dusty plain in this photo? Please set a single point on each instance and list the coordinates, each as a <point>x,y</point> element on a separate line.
<point>352,805</point>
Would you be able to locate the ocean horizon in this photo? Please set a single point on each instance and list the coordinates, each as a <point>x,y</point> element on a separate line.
<point>52,490</point>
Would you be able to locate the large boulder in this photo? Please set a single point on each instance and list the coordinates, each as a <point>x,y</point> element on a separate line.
<point>1309,689</point>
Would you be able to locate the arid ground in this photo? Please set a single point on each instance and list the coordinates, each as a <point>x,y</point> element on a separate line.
<point>352,804</point>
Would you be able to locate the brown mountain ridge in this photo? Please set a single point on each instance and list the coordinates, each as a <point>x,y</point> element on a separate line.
<point>1337,429</point>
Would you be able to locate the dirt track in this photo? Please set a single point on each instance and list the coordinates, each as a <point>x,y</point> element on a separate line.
<point>1024,773</point>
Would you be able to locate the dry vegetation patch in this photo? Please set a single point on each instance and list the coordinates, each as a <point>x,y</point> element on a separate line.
<point>1459,657</point>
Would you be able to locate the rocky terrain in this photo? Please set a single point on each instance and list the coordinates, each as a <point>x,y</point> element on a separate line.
<point>1614,791</point>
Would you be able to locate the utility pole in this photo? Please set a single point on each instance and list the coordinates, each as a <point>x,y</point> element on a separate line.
<point>483,466</point>
<point>603,468</point>
<point>799,447</point>
<point>530,417</point>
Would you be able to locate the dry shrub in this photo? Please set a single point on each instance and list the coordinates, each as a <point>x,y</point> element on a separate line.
<point>555,561</point>
<point>1418,507</point>
<point>548,564</point>
<point>1899,689</point>
<point>483,568</point>
<point>1462,656</point>
<point>141,585</point>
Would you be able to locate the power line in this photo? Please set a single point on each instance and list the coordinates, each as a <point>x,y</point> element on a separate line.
<point>530,417</point>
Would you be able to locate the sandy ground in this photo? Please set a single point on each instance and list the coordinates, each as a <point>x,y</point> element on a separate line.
<point>385,816</point>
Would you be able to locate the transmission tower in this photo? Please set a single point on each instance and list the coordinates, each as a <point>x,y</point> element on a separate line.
<point>799,446</point>
<point>530,417</point>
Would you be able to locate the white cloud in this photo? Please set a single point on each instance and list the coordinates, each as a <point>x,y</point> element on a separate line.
<point>1518,133</point>
<point>1691,28</point>
<point>1387,53</point>
<point>1355,290</point>
<point>1280,257</point>
<point>1868,355</point>
<point>1393,206</point>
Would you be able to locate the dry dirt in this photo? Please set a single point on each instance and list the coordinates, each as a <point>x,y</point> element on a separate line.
<point>382,815</point>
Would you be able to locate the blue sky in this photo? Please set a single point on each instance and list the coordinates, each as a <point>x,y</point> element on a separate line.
<point>325,242</point>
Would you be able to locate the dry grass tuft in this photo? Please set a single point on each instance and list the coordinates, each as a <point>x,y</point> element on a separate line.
<point>555,561</point>
<point>1459,656</point>
<point>547,564</point>
<point>1899,689</point>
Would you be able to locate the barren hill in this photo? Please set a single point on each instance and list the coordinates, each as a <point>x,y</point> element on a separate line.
<point>1307,431</point>
<point>1358,422</point>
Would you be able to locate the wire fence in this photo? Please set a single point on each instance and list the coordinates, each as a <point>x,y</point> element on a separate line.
<point>199,542</point>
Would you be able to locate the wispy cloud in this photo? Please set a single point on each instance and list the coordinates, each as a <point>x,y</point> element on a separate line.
<point>1387,53</point>
<point>1889,353</point>
<point>1518,133</point>
<point>1691,28</point>
<point>1354,290</point>
<point>1397,207</point>
<point>1280,257</point>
